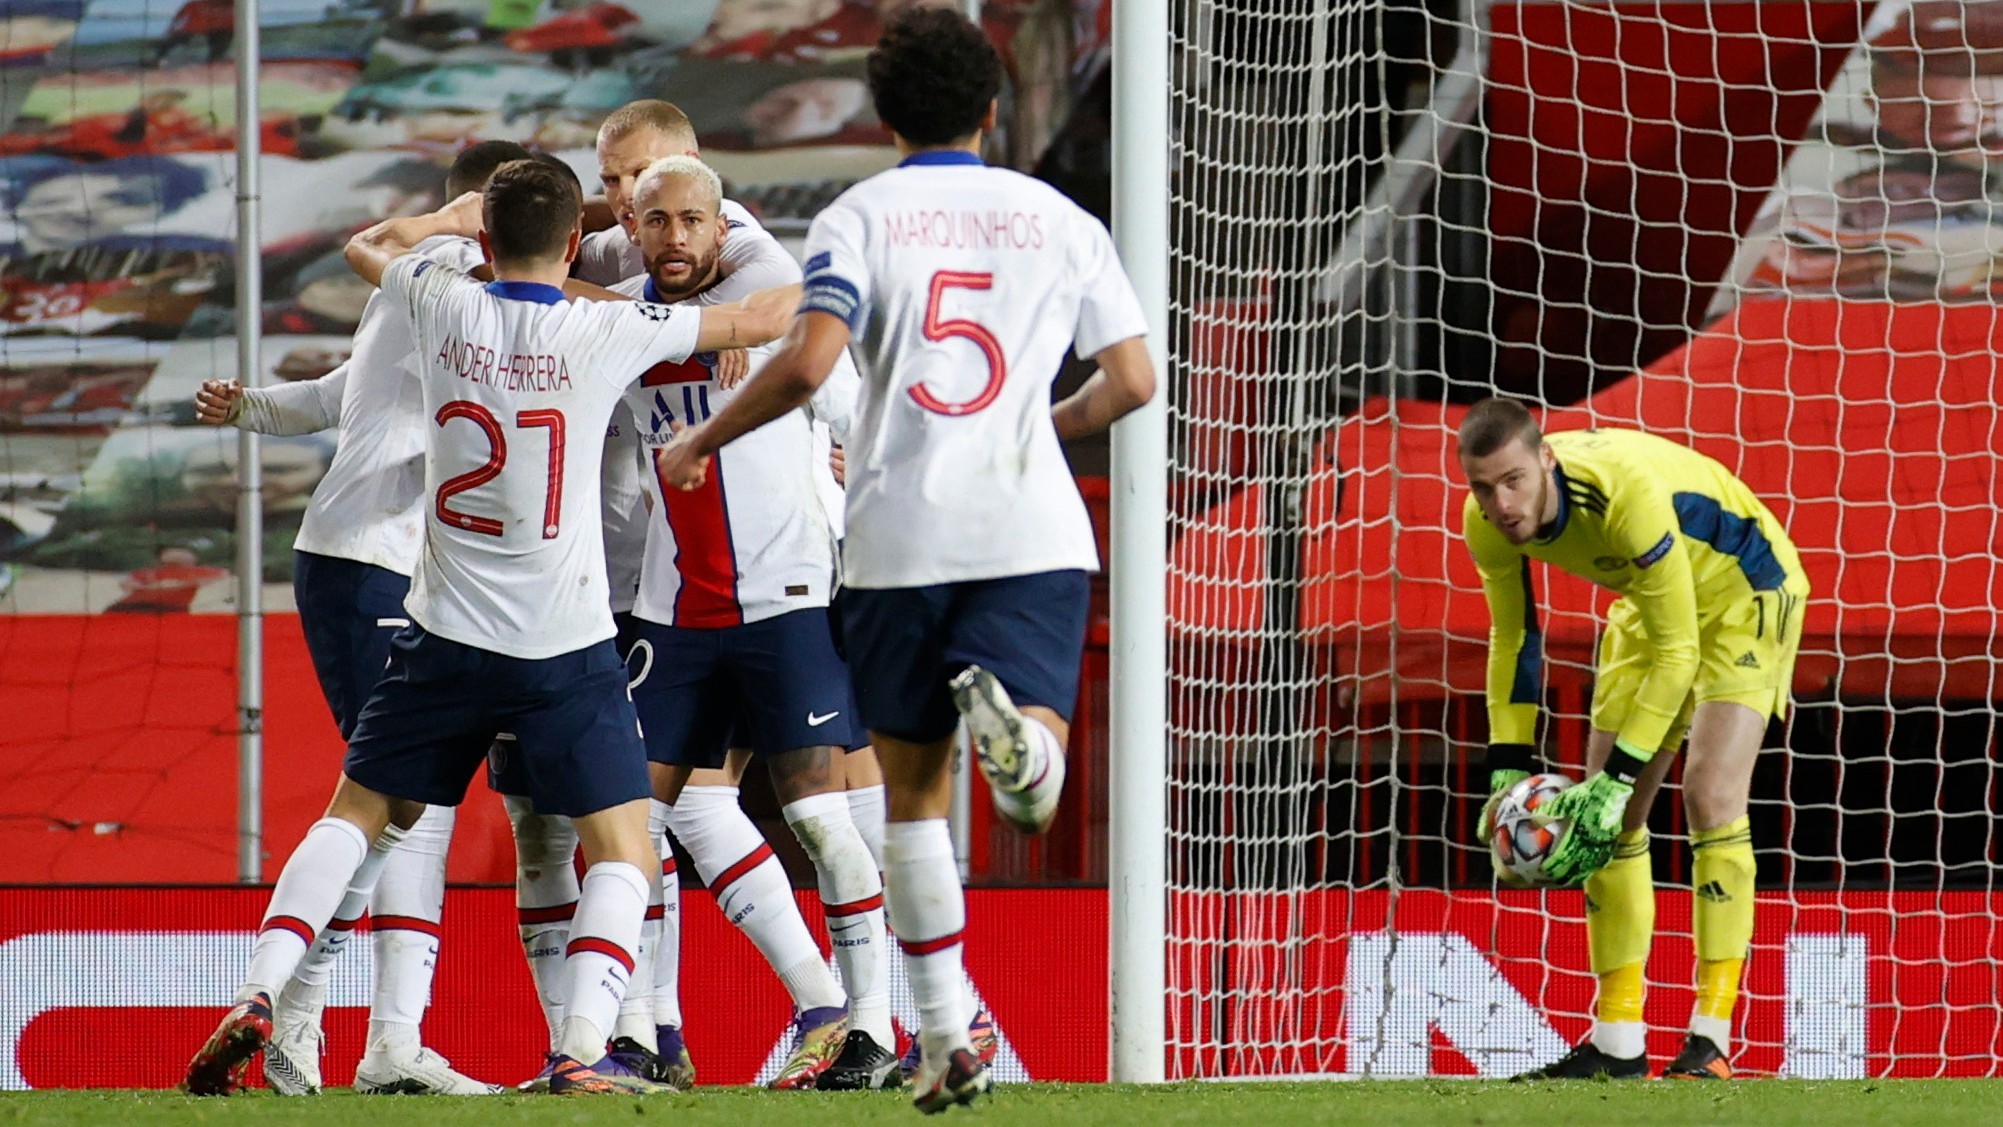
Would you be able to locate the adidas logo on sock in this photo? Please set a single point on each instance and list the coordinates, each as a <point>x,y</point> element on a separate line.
<point>1714,892</point>
<point>1748,661</point>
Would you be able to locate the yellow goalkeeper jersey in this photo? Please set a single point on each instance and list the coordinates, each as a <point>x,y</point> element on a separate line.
<point>1668,528</point>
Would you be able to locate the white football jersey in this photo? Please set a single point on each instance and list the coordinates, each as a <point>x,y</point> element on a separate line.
<point>757,539</point>
<point>519,386</point>
<point>962,286</point>
<point>370,506</point>
<point>752,260</point>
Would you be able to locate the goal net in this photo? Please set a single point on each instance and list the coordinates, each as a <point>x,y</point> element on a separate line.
<point>1766,230</point>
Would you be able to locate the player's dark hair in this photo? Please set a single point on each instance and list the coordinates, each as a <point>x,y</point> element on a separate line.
<point>529,210</point>
<point>476,163</point>
<point>1493,424</point>
<point>933,75</point>
<point>559,164</point>
<point>648,113</point>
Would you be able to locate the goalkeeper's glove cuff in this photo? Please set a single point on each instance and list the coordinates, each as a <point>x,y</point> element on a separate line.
<point>1512,757</point>
<point>1626,761</point>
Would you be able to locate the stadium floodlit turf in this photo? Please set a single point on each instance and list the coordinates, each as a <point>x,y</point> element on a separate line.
<point>1763,1103</point>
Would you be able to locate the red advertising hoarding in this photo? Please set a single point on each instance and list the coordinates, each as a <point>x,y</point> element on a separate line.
<point>1841,984</point>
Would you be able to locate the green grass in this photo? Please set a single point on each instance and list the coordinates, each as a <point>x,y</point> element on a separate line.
<point>1763,1103</point>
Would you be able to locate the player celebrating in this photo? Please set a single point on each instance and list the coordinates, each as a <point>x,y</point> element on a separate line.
<point>510,622</point>
<point>967,541</point>
<point>648,1039</point>
<point>356,550</point>
<point>732,615</point>
<point>1702,640</point>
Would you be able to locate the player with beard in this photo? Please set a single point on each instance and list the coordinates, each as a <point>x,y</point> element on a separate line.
<point>732,621</point>
<point>967,546</point>
<point>648,1041</point>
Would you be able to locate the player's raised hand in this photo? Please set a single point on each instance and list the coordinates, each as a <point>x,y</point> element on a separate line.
<point>680,464</point>
<point>218,402</point>
<point>464,215</point>
<point>1593,811</point>
<point>838,462</point>
<point>732,365</point>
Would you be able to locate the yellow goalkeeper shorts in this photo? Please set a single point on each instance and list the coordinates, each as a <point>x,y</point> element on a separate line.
<point>1745,655</point>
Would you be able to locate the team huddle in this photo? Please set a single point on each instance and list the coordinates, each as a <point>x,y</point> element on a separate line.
<point>611,512</point>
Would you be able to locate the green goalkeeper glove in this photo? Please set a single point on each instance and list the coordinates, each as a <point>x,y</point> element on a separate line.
<point>1593,811</point>
<point>1499,782</point>
<point>1508,765</point>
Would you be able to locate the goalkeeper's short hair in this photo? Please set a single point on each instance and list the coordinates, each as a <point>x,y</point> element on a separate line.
<point>1494,423</point>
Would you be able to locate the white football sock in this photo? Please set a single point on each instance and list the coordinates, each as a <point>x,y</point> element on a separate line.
<point>866,810</point>
<point>667,988</point>
<point>852,894</point>
<point>311,973</point>
<point>1048,780</point>
<point>545,898</point>
<point>1718,1029</point>
<point>636,1010</point>
<point>1623,1039</point>
<point>928,909</point>
<point>405,910</point>
<point>308,890</point>
<point>611,903</point>
<point>751,888</point>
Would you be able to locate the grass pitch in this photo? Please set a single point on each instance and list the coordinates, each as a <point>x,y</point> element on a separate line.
<point>1763,1103</point>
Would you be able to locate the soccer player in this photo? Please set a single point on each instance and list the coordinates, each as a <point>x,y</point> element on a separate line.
<point>352,562</point>
<point>1701,641</point>
<point>968,545</point>
<point>648,1039</point>
<point>511,627</point>
<point>732,615</point>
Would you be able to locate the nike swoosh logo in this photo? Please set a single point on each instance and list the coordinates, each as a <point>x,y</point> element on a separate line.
<point>814,721</point>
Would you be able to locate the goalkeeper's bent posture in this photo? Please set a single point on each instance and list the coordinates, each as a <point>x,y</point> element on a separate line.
<point>1702,640</point>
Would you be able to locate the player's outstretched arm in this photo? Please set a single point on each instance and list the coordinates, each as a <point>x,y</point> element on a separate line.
<point>1124,382</point>
<point>758,319</point>
<point>302,407</point>
<point>786,382</point>
<point>371,252</point>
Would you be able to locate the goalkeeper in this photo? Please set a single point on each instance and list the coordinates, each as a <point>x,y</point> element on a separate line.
<point>1701,640</point>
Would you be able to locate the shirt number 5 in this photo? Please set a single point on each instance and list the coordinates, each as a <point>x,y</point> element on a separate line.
<point>939,329</point>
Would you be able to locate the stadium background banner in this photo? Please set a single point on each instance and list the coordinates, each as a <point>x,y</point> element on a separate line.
<point>1841,985</point>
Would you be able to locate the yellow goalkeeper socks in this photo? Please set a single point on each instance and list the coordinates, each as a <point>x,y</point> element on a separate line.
<point>1620,922</point>
<point>1721,877</point>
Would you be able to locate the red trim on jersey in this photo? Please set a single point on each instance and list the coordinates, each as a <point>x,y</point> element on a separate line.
<point>593,945</point>
<point>343,925</point>
<point>656,911</point>
<point>705,557</point>
<point>930,946</point>
<point>552,501</point>
<point>530,916</point>
<point>667,866</point>
<point>293,924</point>
<point>853,907</point>
<point>405,923</point>
<point>737,872</point>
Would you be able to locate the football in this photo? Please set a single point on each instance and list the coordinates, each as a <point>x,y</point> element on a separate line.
<point>1519,843</point>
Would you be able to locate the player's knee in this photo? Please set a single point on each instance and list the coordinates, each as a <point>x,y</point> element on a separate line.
<point>1712,798</point>
<point>542,841</point>
<point>806,771</point>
